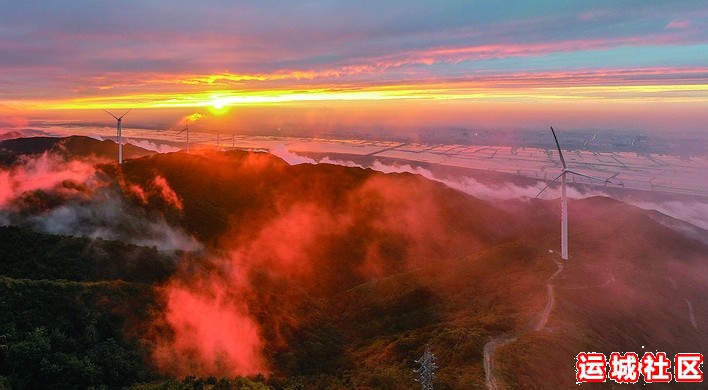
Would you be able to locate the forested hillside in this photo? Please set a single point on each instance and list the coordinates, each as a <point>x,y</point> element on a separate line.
<point>236,270</point>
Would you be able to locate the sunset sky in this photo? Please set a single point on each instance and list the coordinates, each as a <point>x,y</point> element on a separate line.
<point>579,64</point>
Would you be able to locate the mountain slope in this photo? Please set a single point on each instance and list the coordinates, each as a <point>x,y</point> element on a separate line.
<point>336,277</point>
<point>626,288</point>
<point>455,278</point>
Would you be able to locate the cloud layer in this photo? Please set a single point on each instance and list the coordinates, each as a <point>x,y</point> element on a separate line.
<point>90,55</point>
<point>694,212</point>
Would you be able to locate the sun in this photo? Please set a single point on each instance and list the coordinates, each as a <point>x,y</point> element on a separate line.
<point>219,102</point>
<point>219,105</point>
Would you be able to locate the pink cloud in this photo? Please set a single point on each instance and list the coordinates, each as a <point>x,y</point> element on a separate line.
<point>45,173</point>
<point>6,184</point>
<point>138,192</point>
<point>12,122</point>
<point>678,24</point>
<point>212,332</point>
<point>168,194</point>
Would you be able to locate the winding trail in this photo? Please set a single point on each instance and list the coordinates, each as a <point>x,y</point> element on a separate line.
<point>507,338</point>
<point>489,349</point>
<point>691,316</point>
<point>550,298</point>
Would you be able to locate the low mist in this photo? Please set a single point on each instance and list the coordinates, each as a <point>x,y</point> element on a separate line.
<point>52,195</point>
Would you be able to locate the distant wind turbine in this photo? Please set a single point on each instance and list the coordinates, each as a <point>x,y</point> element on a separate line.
<point>119,133</point>
<point>564,198</point>
<point>186,128</point>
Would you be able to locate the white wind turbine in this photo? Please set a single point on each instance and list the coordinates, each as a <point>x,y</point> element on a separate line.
<point>119,133</point>
<point>564,198</point>
<point>186,128</point>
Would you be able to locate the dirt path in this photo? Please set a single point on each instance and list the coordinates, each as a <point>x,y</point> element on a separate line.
<point>550,298</point>
<point>691,316</point>
<point>489,350</point>
<point>492,345</point>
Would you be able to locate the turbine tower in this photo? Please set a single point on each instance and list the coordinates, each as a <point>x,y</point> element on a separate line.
<point>119,133</point>
<point>186,128</point>
<point>564,197</point>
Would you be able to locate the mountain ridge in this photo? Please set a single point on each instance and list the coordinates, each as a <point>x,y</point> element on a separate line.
<point>67,147</point>
<point>347,274</point>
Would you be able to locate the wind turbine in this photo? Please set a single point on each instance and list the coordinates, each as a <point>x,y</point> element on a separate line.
<point>186,128</point>
<point>119,133</point>
<point>564,198</point>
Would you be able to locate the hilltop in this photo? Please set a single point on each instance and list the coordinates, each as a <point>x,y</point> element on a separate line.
<point>67,147</point>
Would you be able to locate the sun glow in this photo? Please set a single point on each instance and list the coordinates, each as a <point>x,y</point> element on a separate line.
<point>221,101</point>
<point>218,103</point>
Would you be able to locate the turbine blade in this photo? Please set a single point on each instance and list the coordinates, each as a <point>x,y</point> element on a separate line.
<point>559,148</point>
<point>126,113</point>
<point>183,130</point>
<point>549,184</point>
<point>111,114</point>
<point>588,176</point>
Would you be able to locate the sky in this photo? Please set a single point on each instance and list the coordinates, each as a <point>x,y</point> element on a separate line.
<point>600,64</point>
